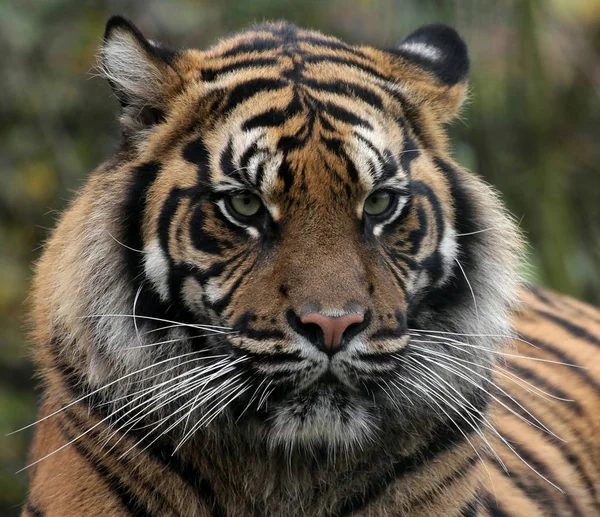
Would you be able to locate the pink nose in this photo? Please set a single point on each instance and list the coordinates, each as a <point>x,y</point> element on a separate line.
<point>333,328</point>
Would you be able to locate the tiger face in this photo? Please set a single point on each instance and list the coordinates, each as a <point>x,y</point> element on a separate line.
<point>284,207</point>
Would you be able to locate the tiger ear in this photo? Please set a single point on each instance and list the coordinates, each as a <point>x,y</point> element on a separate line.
<point>434,67</point>
<point>140,73</point>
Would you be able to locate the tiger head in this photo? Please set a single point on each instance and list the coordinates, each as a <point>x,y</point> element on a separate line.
<point>282,239</point>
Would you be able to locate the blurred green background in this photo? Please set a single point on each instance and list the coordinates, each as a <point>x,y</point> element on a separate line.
<point>532,128</point>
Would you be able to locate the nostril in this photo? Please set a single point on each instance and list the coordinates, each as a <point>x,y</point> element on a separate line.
<point>332,328</point>
<point>311,331</point>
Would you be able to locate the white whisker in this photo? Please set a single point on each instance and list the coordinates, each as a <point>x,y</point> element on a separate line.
<point>470,288</point>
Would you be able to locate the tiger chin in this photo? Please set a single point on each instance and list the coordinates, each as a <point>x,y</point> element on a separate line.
<point>282,296</point>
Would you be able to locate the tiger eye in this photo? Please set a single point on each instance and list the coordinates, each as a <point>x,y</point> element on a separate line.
<point>377,203</point>
<point>246,204</point>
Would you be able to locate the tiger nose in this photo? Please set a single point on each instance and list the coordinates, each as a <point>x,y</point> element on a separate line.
<point>333,327</point>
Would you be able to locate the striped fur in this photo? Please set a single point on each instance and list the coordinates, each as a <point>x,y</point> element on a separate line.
<point>180,376</point>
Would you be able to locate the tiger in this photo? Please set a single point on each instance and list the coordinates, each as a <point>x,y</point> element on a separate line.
<point>283,297</point>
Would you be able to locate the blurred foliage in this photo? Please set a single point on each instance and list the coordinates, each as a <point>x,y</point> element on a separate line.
<point>531,129</point>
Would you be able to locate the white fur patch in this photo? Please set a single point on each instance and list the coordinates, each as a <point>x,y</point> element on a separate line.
<point>449,251</point>
<point>156,267</point>
<point>423,50</point>
<point>321,422</point>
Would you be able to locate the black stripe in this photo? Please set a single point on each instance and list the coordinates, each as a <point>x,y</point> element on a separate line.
<point>412,117</point>
<point>416,236</point>
<point>336,146</point>
<point>201,238</point>
<point>542,297</point>
<point>210,74</point>
<point>349,62</point>
<point>196,152</point>
<point>270,118</point>
<point>570,327</point>
<point>161,450</point>
<point>226,163</point>
<point>242,325</point>
<point>371,147</point>
<point>220,305</point>
<point>409,152</point>
<point>529,375</point>
<point>582,312</point>
<point>471,509</point>
<point>249,153</point>
<point>392,267</point>
<point>443,439</point>
<point>132,215</point>
<point>332,45</point>
<point>33,510</point>
<point>117,486</point>
<point>432,494</point>
<point>494,508</point>
<point>347,89</point>
<point>285,173</point>
<point>255,45</point>
<point>536,487</point>
<point>456,290</point>
<point>530,489</point>
<point>559,355</point>
<point>390,166</point>
<point>148,302</point>
<point>345,116</point>
<point>248,89</point>
<point>569,455</point>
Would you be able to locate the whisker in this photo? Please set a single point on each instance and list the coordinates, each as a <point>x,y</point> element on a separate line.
<point>459,413</point>
<point>475,232</point>
<point>137,331</point>
<point>470,288</point>
<point>103,388</point>
<point>177,340</point>
<point>507,336</point>
<point>204,327</point>
<point>124,245</point>
<point>542,427</point>
<point>151,318</point>
<point>460,344</point>
<point>501,371</point>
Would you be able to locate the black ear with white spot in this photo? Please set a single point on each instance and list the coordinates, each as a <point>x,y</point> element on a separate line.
<point>440,49</point>
<point>140,72</point>
<point>436,61</point>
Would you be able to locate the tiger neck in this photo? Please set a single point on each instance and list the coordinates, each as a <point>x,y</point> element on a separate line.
<point>440,478</point>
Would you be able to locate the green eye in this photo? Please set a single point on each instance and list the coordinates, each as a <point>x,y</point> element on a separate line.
<point>245,204</point>
<point>377,203</point>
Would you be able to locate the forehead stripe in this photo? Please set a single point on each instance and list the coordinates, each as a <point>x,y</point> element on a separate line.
<point>347,89</point>
<point>270,118</point>
<point>211,74</point>
<point>332,45</point>
<point>286,175</point>
<point>335,145</point>
<point>256,44</point>
<point>343,115</point>
<point>196,152</point>
<point>248,89</point>
<point>346,62</point>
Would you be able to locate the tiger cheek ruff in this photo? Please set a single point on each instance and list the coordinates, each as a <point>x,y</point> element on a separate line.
<point>282,297</point>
